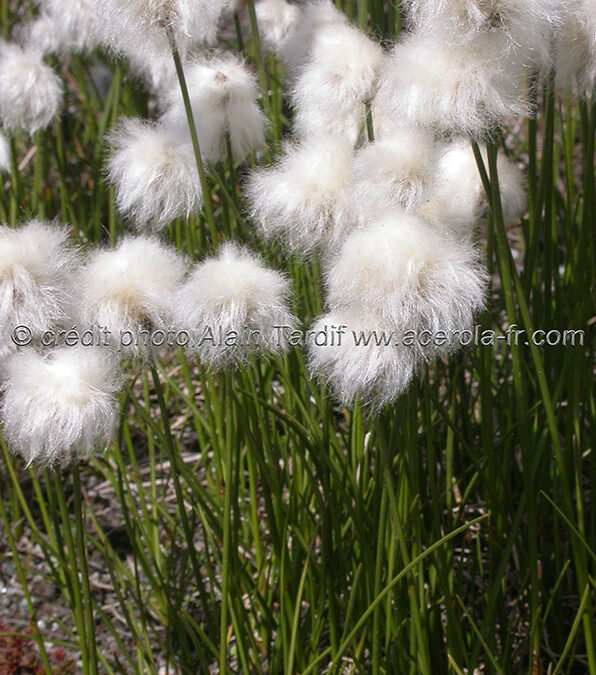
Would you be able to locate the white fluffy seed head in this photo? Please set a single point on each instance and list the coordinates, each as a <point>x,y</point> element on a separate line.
<point>59,407</point>
<point>528,24</point>
<point>338,78</point>
<point>37,264</point>
<point>305,199</point>
<point>575,50</point>
<point>4,153</point>
<point>233,294</point>
<point>41,35</point>
<point>312,121</point>
<point>130,288</point>
<point>136,30</point>
<point>475,15</point>
<point>458,202</point>
<point>154,174</point>
<point>395,171</point>
<point>343,65</point>
<point>64,26</point>
<point>195,20</point>
<point>145,49</point>
<point>277,20</point>
<point>224,95</point>
<point>365,364</point>
<point>30,91</point>
<point>467,88</point>
<point>315,16</point>
<point>412,277</point>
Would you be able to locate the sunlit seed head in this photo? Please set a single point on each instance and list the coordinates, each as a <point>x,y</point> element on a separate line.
<point>412,277</point>
<point>338,78</point>
<point>37,267</point>
<point>154,173</point>
<point>314,16</point>
<point>354,366</point>
<point>30,91</point>
<point>527,25</point>
<point>63,27</point>
<point>224,96</point>
<point>277,19</point>
<point>129,287</point>
<point>395,171</point>
<point>234,293</point>
<point>467,88</point>
<point>575,50</point>
<point>59,407</point>
<point>305,198</point>
<point>194,19</point>
<point>458,201</point>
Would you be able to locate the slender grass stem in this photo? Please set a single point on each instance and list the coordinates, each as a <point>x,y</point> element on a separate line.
<point>176,471</point>
<point>192,128</point>
<point>261,70</point>
<point>228,489</point>
<point>370,129</point>
<point>81,530</point>
<point>396,579</point>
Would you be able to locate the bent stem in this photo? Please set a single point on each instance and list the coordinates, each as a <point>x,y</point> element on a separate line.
<point>193,136</point>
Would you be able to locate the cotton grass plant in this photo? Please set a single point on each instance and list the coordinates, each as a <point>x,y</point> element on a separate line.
<point>179,177</point>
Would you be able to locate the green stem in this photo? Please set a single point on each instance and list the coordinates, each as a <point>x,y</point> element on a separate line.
<point>177,470</point>
<point>194,137</point>
<point>84,570</point>
<point>363,14</point>
<point>238,27</point>
<point>71,564</point>
<point>396,579</point>
<point>262,72</point>
<point>510,280</point>
<point>227,521</point>
<point>15,182</point>
<point>370,127</point>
